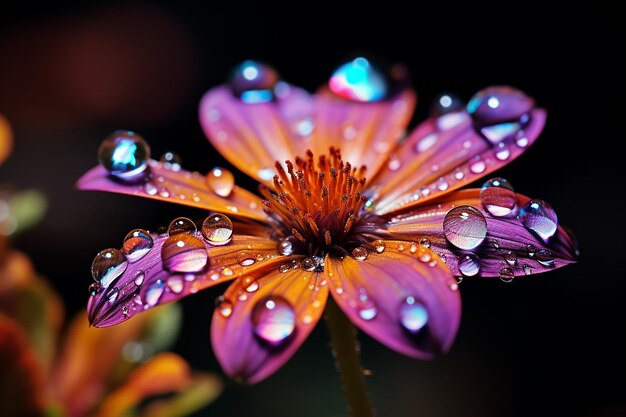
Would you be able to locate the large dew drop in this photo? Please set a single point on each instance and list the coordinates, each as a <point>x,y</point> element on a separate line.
<point>498,197</point>
<point>217,229</point>
<point>125,155</point>
<point>184,254</point>
<point>445,103</point>
<point>469,265</point>
<point>181,225</point>
<point>273,320</point>
<point>359,80</point>
<point>539,217</point>
<point>254,82</point>
<point>137,244</point>
<point>107,266</point>
<point>413,315</point>
<point>465,227</point>
<point>221,181</point>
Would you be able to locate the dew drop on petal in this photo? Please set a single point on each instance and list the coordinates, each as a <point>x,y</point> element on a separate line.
<point>506,274</point>
<point>217,229</point>
<point>368,310</point>
<point>273,320</point>
<point>445,103</point>
<point>285,247</point>
<point>125,155</point>
<point>413,315</point>
<point>425,242</point>
<point>137,244</point>
<point>379,245</point>
<point>498,197</point>
<point>250,284</point>
<point>313,263</point>
<point>224,307</point>
<point>181,225</point>
<point>154,293</point>
<point>360,253</point>
<point>254,82</point>
<point>545,258</point>
<point>478,166</point>
<point>469,265</point>
<point>539,217</point>
<point>359,80</point>
<point>171,160</point>
<point>176,284</point>
<point>510,258</point>
<point>184,253</point>
<point>107,266</point>
<point>221,181</point>
<point>495,105</point>
<point>139,277</point>
<point>113,295</point>
<point>246,259</point>
<point>94,289</point>
<point>465,227</point>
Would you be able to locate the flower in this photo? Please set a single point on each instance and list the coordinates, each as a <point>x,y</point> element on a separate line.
<point>353,208</point>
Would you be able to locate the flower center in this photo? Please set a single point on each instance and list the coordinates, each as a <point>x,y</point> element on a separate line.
<point>317,205</point>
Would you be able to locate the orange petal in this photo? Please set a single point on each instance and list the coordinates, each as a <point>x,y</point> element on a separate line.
<point>265,317</point>
<point>21,380</point>
<point>6,139</point>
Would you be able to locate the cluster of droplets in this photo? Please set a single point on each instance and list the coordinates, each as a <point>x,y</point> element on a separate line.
<point>465,228</point>
<point>183,255</point>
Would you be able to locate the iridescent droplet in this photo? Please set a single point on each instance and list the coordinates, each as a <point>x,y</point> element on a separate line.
<point>465,227</point>
<point>539,217</point>
<point>154,293</point>
<point>181,225</point>
<point>137,244</point>
<point>139,277</point>
<point>469,265</point>
<point>254,82</point>
<point>413,315</point>
<point>445,103</point>
<point>360,253</point>
<point>217,229</point>
<point>545,258</point>
<point>125,155</point>
<point>506,274</point>
<point>273,320</point>
<point>246,259</point>
<point>184,253</point>
<point>495,105</point>
<point>107,266</point>
<point>221,181</point>
<point>359,80</point>
<point>171,161</point>
<point>498,197</point>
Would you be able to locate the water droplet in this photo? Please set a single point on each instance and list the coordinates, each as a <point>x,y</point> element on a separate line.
<point>266,174</point>
<point>181,225</point>
<point>469,265</point>
<point>221,181</point>
<point>273,320</point>
<point>125,311</point>
<point>150,188</point>
<point>94,289</point>
<point>394,164</point>
<point>217,229</point>
<point>498,197</point>
<point>400,247</point>
<point>125,155</point>
<point>360,253</point>
<point>478,166</point>
<point>313,263</point>
<point>137,244</point>
<point>413,247</point>
<point>538,216</point>
<point>502,152</point>
<point>154,293</point>
<point>107,266</point>
<point>465,227</point>
<point>458,174</point>
<point>254,82</point>
<point>368,310</point>
<point>413,315</point>
<point>510,258</point>
<point>113,294</point>
<point>224,307</point>
<point>285,247</point>
<point>545,258</point>
<point>426,143</point>
<point>425,242</point>
<point>359,80</point>
<point>184,253</point>
<point>442,184</point>
<point>424,256</point>
<point>176,284</point>
<point>506,274</point>
<point>531,250</point>
<point>246,259</point>
<point>496,105</point>
<point>292,264</point>
<point>305,127</point>
<point>522,141</point>
<point>379,245</point>
<point>527,269</point>
<point>171,161</point>
<point>227,272</point>
<point>250,284</point>
<point>445,103</point>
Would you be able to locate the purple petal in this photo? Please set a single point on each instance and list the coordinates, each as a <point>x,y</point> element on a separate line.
<point>254,136</point>
<point>265,317</point>
<point>180,187</point>
<point>446,153</point>
<point>406,299</point>
<point>366,133</point>
<point>173,269</point>
<point>509,248</point>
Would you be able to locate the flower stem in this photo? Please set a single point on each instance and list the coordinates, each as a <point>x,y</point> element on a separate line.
<point>346,351</point>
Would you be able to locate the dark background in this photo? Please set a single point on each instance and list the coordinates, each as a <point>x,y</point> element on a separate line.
<point>553,343</point>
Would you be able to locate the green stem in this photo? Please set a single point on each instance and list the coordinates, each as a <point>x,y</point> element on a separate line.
<point>346,351</point>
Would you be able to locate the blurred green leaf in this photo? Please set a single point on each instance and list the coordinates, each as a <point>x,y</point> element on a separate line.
<point>27,208</point>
